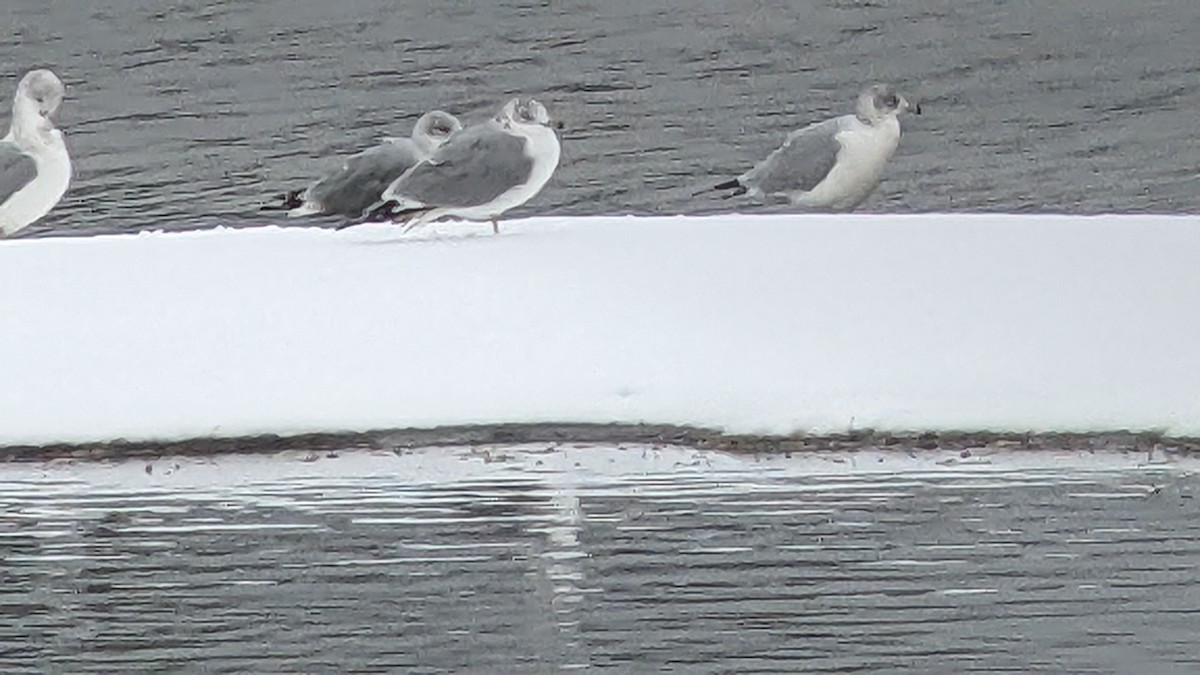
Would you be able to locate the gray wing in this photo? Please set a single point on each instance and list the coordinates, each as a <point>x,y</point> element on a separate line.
<point>17,170</point>
<point>364,177</point>
<point>803,161</point>
<point>474,167</point>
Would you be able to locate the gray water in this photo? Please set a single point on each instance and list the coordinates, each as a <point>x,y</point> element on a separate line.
<point>192,114</point>
<point>491,561</point>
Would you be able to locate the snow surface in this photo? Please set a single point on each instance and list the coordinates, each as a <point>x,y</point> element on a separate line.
<point>755,324</point>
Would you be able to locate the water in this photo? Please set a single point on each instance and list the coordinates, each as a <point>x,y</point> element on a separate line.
<point>195,114</point>
<point>538,559</point>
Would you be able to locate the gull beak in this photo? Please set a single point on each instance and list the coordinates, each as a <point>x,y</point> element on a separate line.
<point>914,108</point>
<point>558,124</point>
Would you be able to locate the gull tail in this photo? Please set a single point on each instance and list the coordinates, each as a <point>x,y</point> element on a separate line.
<point>735,185</point>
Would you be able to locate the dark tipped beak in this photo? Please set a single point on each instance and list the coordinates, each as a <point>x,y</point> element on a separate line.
<point>915,108</point>
<point>558,124</point>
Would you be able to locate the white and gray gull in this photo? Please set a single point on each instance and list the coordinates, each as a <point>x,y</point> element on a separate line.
<point>35,169</point>
<point>364,176</point>
<point>481,172</point>
<point>832,165</point>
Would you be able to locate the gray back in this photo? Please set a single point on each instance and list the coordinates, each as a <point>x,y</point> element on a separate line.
<point>803,161</point>
<point>474,167</point>
<point>364,178</point>
<point>16,170</point>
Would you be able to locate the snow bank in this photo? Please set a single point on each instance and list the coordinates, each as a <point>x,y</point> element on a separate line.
<point>752,324</point>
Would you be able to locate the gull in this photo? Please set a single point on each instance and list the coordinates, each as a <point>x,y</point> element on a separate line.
<point>481,172</point>
<point>831,165</point>
<point>363,177</point>
<point>35,168</point>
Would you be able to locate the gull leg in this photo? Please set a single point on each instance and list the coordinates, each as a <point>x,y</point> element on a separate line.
<point>495,226</point>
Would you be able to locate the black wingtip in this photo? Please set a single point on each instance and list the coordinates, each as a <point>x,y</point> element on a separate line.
<point>286,201</point>
<point>293,199</point>
<point>379,213</point>
<point>374,214</point>
<point>738,190</point>
<point>735,185</point>
<point>383,212</point>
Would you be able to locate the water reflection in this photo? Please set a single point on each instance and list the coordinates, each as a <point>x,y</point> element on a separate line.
<point>533,558</point>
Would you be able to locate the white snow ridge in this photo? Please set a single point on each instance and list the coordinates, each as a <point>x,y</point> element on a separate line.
<point>757,324</point>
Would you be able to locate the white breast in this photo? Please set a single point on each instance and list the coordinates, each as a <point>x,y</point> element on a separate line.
<point>34,201</point>
<point>866,149</point>
<point>542,146</point>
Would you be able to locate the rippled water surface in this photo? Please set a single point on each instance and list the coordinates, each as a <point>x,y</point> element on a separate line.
<point>531,559</point>
<point>195,113</point>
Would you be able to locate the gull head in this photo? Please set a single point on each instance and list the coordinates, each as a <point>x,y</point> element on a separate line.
<point>43,90</point>
<point>880,101</point>
<point>433,129</point>
<point>523,111</point>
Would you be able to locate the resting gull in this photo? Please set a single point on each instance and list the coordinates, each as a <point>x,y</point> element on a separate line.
<point>481,172</point>
<point>834,164</point>
<point>35,168</point>
<point>363,177</point>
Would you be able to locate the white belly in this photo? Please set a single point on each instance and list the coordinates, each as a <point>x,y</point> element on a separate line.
<point>866,150</point>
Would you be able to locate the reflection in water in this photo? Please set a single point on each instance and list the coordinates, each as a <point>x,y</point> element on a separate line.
<point>528,559</point>
<point>559,572</point>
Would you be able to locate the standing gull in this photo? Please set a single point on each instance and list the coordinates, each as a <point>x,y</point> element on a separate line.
<point>363,177</point>
<point>834,164</point>
<point>483,171</point>
<point>35,168</point>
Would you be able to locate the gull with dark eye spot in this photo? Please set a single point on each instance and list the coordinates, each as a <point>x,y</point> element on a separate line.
<point>35,168</point>
<point>832,165</point>
<point>481,172</point>
<point>363,177</point>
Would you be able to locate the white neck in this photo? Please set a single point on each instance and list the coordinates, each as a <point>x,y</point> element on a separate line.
<point>542,142</point>
<point>543,148</point>
<point>29,129</point>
